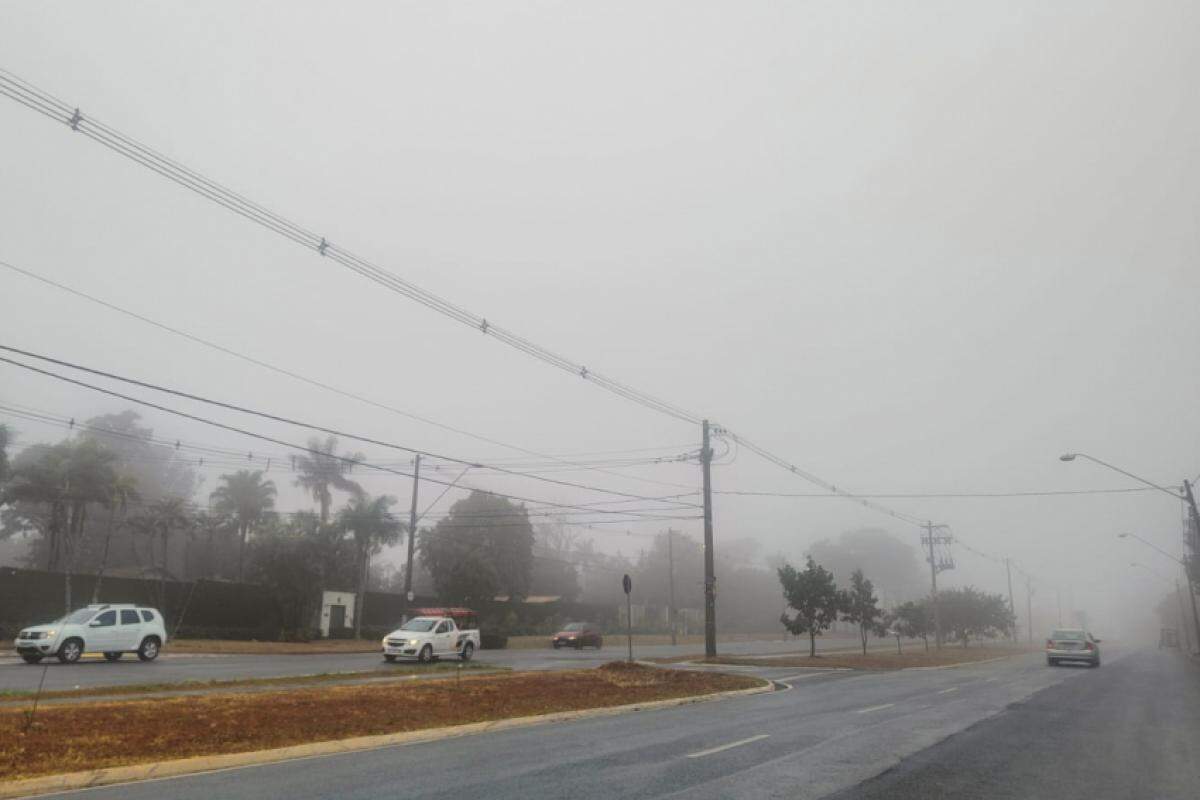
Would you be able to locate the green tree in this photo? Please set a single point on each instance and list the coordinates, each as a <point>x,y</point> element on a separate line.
<point>914,620</point>
<point>246,497</point>
<point>892,562</point>
<point>322,470</point>
<point>161,520</point>
<point>291,562</point>
<point>372,526</point>
<point>121,492</point>
<point>861,607</point>
<point>968,613</point>
<point>815,598</point>
<point>5,441</point>
<point>482,548</point>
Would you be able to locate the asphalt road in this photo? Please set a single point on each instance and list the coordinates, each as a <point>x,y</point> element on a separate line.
<point>1129,731</point>
<point>830,732</point>
<point>15,675</point>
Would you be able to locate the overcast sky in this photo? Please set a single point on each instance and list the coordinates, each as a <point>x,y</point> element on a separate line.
<point>913,248</point>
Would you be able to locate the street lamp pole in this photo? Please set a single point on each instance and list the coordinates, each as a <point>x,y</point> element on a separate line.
<point>1187,497</point>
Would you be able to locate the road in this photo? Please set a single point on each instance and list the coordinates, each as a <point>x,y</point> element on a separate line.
<point>15,675</point>
<point>1129,729</point>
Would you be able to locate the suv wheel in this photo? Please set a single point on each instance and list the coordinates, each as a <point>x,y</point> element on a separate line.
<point>388,657</point>
<point>114,655</point>
<point>148,651</point>
<point>426,654</point>
<point>467,651</point>
<point>70,651</point>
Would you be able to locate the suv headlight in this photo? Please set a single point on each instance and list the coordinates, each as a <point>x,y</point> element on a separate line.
<point>49,634</point>
<point>412,642</point>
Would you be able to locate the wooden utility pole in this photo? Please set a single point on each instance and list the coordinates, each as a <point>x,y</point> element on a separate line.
<point>1187,637</point>
<point>1029,607</point>
<point>1187,570</point>
<point>412,533</point>
<point>933,571</point>
<point>710,599</point>
<point>671,582</point>
<point>1011,609</point>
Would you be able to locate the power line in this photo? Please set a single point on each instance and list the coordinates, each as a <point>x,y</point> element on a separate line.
<point>46,104</point>
<point>297,423</point>
<point>312,381</point>
<point>263,437</point>
<point>940,495</point>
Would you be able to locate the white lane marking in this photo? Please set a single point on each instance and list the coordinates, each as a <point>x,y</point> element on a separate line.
<point>803,675</point>
<point>738,743</point>
<point>874,708</point>
<point>990,680</point>
<point>948,691</point>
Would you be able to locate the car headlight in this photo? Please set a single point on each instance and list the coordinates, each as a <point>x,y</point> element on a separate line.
<point>412,642</point>
<point>48,634</point>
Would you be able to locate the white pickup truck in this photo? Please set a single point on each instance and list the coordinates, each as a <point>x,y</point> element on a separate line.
<point>428,637</point>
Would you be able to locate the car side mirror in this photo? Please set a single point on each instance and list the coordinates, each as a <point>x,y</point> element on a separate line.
<point>94,623</point>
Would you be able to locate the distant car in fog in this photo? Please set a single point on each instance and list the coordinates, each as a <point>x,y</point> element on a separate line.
<point>578,635</point>
<point>1072,644</point>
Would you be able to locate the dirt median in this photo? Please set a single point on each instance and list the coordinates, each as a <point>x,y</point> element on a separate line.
<point>95,735</point>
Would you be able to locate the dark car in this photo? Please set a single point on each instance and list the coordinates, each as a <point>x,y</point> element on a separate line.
<point>578,635</point>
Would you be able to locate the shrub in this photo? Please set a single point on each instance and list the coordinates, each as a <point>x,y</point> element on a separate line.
<point>492,641</point>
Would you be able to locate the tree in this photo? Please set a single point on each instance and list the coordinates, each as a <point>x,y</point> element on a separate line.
<point>291,562</point>
<point>372,527</point>
<point>246,497</point>
<point>161,519</point>
<point>815,598</point>
<point>121,492</point>
<point>861,607</point>
<point>322,471</point>
<point>968,613</point>
<point>482,548</point>
<point>65,479</point>
<point>914,620</point>
<point>5,441</point>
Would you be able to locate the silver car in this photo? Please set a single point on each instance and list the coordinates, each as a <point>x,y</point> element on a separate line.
<point>1072,644</point>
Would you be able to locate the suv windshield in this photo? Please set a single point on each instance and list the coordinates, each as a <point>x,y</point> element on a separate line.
<point>77,617</point>
<point>420,624</point>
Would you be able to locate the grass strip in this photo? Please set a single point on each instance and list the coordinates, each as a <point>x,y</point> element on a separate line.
<point>95,735</point>
<point>398,671</point>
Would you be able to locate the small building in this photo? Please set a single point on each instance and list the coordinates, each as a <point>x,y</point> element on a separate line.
<point>337,611</point>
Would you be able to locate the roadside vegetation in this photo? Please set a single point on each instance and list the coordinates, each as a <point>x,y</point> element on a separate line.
<point>879,659</point>
<point>86,736</point>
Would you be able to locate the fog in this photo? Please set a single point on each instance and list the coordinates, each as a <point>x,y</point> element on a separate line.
<point>913,250</point>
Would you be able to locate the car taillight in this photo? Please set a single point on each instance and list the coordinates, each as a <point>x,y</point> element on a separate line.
<point>1087,646</point>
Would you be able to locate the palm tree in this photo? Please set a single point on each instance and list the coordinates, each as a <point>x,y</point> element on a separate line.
<point>373,527</point>
<point>322,470</point>
<point>66,478</point>
<point>162,518</point>
<point>246,497</point>
<point>121,493</point>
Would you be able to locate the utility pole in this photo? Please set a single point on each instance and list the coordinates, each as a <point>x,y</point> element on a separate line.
<point>1058,594</point>
<point>1028,607</point>
<point>412,533</point>
<point>710,600</point>
<point>1187,569</point>
<point>1187,637</point>
<point>1011,609</point>
<point>671,582</point>
<point>933,571</point>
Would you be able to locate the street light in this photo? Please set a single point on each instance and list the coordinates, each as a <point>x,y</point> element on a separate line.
<point>1073,456</point>
<point>1180,562</point>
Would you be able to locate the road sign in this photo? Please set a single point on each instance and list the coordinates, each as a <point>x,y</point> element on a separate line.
<point>627,582</point>
<point>411,596</point>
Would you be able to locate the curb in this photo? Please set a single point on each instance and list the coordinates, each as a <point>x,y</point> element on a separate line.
<point>190,766</point>
<point>962,664</point>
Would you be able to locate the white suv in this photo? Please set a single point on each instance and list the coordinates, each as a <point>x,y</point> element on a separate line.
<point>112,629</point>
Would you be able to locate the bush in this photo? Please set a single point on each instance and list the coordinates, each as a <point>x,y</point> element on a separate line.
<point>492,641</point>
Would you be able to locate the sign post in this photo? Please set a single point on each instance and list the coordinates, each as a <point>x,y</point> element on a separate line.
<point>627,583</point>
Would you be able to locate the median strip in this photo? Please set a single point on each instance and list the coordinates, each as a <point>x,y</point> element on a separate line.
<point>101,738</point>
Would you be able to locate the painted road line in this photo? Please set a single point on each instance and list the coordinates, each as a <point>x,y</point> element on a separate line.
<point>948,691</point>
<point>802,675</point>
<point>738,743</point>
<point>874,708</point>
